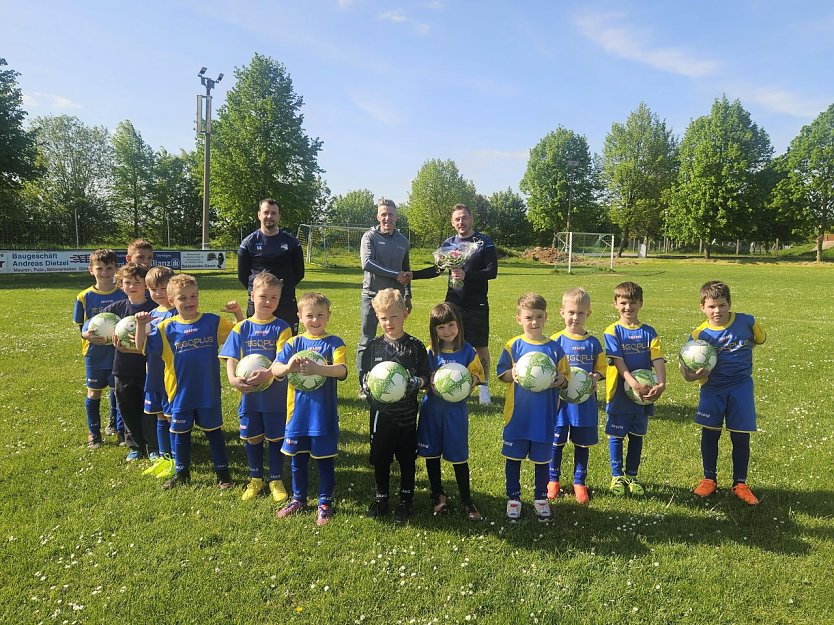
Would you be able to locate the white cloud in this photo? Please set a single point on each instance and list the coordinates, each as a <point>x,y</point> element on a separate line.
<point>611,32</point>
<point>37,99</point>
<point>396,16</point>
<point>779,100</point>
<point>385,115</point>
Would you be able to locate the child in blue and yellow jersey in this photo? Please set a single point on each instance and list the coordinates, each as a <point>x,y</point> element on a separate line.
<point>727,391</point>
<point>630,345</point>
<point>577,421</point>
<point>530,417</point>
<point>98,350</point>
<point>312,416</point>
<point>189,344</point>
<point>443,427</point>
<point>263,413</point>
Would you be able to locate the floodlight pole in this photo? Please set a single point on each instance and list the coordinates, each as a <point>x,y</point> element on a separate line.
<point>204,127</point>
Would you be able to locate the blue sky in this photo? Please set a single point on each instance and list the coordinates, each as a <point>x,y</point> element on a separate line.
<point>388,85</point>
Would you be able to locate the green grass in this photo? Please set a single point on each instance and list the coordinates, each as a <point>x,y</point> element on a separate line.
<point>87,539</point>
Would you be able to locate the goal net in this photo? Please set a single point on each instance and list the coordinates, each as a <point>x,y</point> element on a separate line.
<point>329,245</point>
<point>585,251</point>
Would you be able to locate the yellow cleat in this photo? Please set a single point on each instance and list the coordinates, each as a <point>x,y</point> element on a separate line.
<point>279,493</point>
<point>253,489</point>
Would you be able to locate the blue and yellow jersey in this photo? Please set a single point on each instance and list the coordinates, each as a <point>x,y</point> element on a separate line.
<point>587,353</point>
<point>154,382</point>
<point>313,413</point>
<point>189,352</point>
<point>527,415</point>
<point>734,343</point>
<point>89,303</point>
<point>638,347</point>
<point>266,338</point>
<point>466,356</point>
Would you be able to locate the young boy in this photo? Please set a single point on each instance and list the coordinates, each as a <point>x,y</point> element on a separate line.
<point>726,391</point>
<point>140,252</point>
<point>312,416</point>
<point>529,417</point>
<point>577,421</point>
<point>262,414</point>
<point>189,344</point>
<point>393,427</point>
<point>129,368</point>
<point>629,345</point>
<point>98,350</point>
<point>156,403</point>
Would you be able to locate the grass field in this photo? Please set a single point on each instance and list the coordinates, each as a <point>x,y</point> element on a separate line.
<point>87,539</point>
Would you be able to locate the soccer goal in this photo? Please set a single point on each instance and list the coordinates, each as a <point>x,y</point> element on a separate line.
<point>587,251</point>
<point>329,245</point>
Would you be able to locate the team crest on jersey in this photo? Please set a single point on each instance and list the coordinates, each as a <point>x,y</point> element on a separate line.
<point>259,247</point>
<point>285,247</point>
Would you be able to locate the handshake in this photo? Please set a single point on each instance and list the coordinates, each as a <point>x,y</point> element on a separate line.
<point>404,277</point>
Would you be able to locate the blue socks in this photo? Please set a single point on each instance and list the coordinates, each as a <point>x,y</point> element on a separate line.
<point>741,454</point>
<point>255,455</point>
<point>163,436</point>
<point>633,455</point>
<point>93,409</point>
<point>512,472</point>
<point>299,464</point>
<point>556,463</point>
<point>709,452</point>
<point>541,472</point>
<point>276,461</point>
<point>327,480</point>
<point>580,464</point>
<point>182,452</point>
<point>217,447</point>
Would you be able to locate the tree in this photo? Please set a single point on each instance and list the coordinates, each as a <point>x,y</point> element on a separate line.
<point>133,171</point>
<point>508,218</point>
<point>17,146</point>
<point>354,208</point>
<point>559,182</point>
<point>722,157</point>
<point>639,166</point>
<point>175,196</point>
<point>807,189</point>
<point>437,187</point>
<point>260,148</point>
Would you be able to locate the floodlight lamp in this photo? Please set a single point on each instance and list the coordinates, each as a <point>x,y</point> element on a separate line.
<point>219,77</point>
<point>202,71</point>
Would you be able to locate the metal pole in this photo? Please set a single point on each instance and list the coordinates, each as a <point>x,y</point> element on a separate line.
<point>206,171</point>
<point>570,250</point>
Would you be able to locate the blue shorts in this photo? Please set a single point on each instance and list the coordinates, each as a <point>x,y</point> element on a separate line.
<point>316,446</point>
<point>443,430</point>
<point>99,379</point>
<point>538,453</point>
<point>733,408</point>
<point>157,403</point>
<point>579,436</point>
<point>619,425</point>
<point>204,418</point>
<point>269,424</point>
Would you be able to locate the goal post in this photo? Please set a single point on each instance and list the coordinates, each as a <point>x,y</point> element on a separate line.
<point>589,251</point>
<point>330,245</point>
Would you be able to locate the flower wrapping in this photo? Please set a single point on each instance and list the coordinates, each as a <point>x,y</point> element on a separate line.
<point>453,256</point>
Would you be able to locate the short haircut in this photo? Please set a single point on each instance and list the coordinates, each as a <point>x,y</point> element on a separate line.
<point>267,279</point>
<point>578,295</point>
<point>629,290</point>
<point>715,289</point>
<point>269,201</point>
<point>387,299</point>
<point>531,301</point>
<point>179,282</point>
<point>132,270</point>
<point>138,244</point>
<point>158,275</point>
<point>313,299</point>
<point>439,315</point>
<point>385,202</point>
<point>103,256</point>
<point>462,207</point>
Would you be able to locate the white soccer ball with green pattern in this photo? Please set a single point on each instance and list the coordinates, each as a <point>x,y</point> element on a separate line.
<point>388,382</point>
<point>453,382</point>
<point>580,386</point>
<point>698,354</point>
<point>645,376</point>
<point>247,365</point>
<point>303,382</point>
<point>124,330</point>
<point>535,371</point>
<point>103,325</point>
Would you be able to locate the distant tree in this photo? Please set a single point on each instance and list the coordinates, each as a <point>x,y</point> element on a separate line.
<point>133,173</point>
<point>718,188</point>
<point>17,145</point>
<point>260,148</point>
<point>176,198</point>
<point>508,219</point>
<point>436,189</point>
<point>807,189</point>
<point>354,208</point>
<point>559,182</point>
<point>639,167</point>
<point>481,212</point>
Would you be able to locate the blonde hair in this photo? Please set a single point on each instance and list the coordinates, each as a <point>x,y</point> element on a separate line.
<point>715,289</point>
<point>387,299</point>
<point>103,256</point>
<point>179,282</point>
<point>629,290</point>
<point>158,276</point>
<point>267,279</point>
<point>132,270</point>
<point>531,301</point>
<point>138,244</point>
<point>313,299</point>
<point>578,295</point>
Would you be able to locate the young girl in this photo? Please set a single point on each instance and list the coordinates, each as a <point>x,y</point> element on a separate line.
<point>443,428</point>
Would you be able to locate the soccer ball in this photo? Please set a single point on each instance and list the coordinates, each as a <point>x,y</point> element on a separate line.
<point>103,324</point>
<point>453,382</point>
<point>251,363</point>
<point>303,382</point>
<point>698,355</point>
<point>387,382</point>
<point>644,376</point>
<point>580,386</point>
<point>123,330</point>
<point>535,371</point>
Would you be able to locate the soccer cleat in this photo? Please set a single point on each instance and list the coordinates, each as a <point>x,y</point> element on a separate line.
<point>634,487</point>
<point>110,430</point>
<point>253,489</point>
<point>705,487</point>
<point>180,478</point>
<point>132,455</point>
<point>743,492</point>
<point>618,486</point>
<point>513,510</point>
<point>294,507</point>
<point>580,491</point>
<point>378,508</point>
<point>483,395</point>
<point>121,439</point>
<point>93,441</point>
<point>553,490</point>
<point>154,456</point>
<point>403,510</point>
<point>325,514</point>
<point>439,504</point>
<point>541,508</point>
<point>165,468</point>
<point>224,479</point>
<point>151,470</point>
<point>362,395</point>
<point>279,493</point>
<point>471,512</point>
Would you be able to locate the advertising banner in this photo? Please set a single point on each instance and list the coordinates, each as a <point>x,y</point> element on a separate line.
<point>48,261</point>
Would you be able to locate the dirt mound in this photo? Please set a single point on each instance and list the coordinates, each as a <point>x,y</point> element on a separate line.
<point>549,255</point>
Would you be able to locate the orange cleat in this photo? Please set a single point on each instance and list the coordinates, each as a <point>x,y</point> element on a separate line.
<point>705,487</point>
<point>553,490</point>
<point>743,492</point>
<point>581,493</point>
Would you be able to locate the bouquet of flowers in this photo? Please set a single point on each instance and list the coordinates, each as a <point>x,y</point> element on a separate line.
<point>453,255</point>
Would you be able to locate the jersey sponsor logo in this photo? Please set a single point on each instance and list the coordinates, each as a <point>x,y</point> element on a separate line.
<point>637,348</point>
<point>192,344</point>
<point>190,330</point>
<point>727,344</point>
<point>265,344</point>
<point>580,358</point>
<point>285,247</point>
<point>264,331</point>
